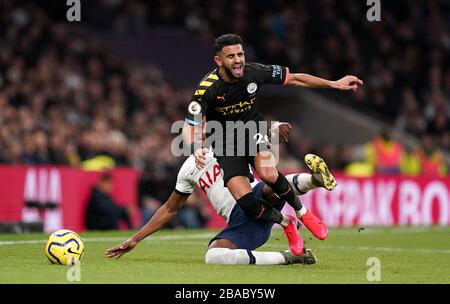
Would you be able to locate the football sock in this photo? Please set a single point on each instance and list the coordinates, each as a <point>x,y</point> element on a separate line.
<point>256,208</point>
<point>284,191</point>
<point>243,257</point>
<point>301,183</point>
<point>300,212</point>
<point>285,220</point>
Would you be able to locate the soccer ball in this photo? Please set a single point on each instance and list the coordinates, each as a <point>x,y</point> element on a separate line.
<point>64,247</point>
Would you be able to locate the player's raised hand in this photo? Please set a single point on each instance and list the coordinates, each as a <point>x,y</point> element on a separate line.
<point>282,130</point>
<point>347,83</point>
<point>121,249</point>
<point>200,158</point>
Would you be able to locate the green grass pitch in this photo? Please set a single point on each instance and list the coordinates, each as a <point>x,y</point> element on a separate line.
<point>406,255</point>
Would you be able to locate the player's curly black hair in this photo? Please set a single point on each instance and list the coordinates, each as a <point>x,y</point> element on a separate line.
<point>225,40</point>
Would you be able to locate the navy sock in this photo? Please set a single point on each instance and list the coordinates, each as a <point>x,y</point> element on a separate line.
<point>282,188</point>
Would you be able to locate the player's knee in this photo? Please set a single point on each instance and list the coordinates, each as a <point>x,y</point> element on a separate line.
<point>227,256</point>
<point>210,256</point>
<point>268,175</point>
<point>251,205</point>
<point>215,255</point>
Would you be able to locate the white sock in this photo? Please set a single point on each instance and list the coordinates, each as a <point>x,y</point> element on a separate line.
<point>227,256</point>
<point>285,220</point>
<point>300,212</point>
<point>302,183</point>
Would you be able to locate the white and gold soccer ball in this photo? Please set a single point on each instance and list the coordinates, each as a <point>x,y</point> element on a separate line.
<point>64,247</point>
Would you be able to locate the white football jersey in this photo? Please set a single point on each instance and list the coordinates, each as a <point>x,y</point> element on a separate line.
<point>210,180</point>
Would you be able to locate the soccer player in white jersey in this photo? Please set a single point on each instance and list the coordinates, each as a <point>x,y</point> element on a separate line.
<point>235,244</point>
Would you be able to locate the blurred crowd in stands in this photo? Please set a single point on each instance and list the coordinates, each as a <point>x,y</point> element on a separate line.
<point>64,99</point>
<point>404,59</point>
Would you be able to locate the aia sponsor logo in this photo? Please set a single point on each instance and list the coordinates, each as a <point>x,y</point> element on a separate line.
<point>209,178</point>
<point>42,196</point>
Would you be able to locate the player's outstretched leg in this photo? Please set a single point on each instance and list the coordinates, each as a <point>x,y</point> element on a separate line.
<point>226,256</point>
<point>307,258</point>
<point>289,224</point>
<point>320,177</point>
<point>265,166</point>
<point>317,227</point>
<point>259,209</point>
<point>314,224</point>
<point>294,238</point>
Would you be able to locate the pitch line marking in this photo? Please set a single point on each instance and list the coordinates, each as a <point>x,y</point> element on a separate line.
<point>386,249</point>
<point>200,236</point>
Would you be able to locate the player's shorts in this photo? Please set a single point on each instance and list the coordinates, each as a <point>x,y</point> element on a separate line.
<point>235,162</point>
<point>244,232</point>
<point>232,166</point>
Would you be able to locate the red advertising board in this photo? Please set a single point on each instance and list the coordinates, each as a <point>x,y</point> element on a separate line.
<point>67,188</point>
<point>382,201</point>
<point>375,201</point>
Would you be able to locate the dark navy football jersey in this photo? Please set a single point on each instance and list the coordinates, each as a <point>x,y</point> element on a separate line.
<point>220,101</point>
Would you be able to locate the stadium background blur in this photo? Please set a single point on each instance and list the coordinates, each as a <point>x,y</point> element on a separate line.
<point>78,94</point>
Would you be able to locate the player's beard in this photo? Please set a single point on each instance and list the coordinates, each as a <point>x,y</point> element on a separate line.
<point>231,75</point>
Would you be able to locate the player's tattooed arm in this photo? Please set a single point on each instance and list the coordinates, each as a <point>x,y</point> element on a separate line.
<point>346,83</point>
<point>161,218</point>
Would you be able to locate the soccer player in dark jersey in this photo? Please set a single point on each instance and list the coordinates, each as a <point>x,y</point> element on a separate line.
<point>229,93</point>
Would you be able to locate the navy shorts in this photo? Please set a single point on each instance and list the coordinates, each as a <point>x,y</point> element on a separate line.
<point>244,232</point>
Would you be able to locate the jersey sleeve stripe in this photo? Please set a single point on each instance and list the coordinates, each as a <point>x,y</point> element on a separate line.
<point>212,76</point>
<point>206,83</point>
<point>199,92</point>
<point>181,193</point>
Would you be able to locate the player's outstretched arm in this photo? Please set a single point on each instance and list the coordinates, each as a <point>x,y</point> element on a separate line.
<point>193,136</point>
<point>162,217</point>
<point>346,83</point>
<point>281,130</point>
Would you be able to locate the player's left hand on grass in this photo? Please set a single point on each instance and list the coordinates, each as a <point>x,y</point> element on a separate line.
<point>347,83</point>
<point>121,249</point>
